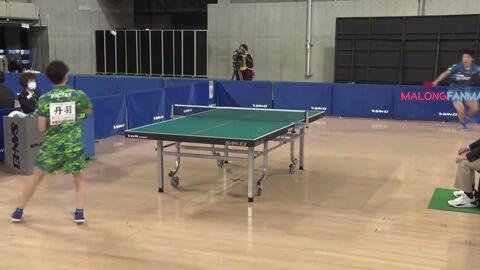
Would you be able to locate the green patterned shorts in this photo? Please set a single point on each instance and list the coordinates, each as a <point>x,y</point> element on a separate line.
<point>69,163</point>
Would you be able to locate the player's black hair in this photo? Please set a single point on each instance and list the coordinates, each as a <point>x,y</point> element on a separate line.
<point>469,52</point>
<point>2,77</point>
<point>56,71</point>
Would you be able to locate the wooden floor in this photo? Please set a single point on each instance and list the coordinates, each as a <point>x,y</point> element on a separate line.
<point>360,204</point>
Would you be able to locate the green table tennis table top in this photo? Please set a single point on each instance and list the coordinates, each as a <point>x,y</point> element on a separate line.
<point>245,127</point>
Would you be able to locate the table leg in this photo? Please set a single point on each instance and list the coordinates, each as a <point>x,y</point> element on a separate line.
<point>265,159</point>
<point>174,179</point>
<point>251,164</point>
<point>302,148</point>
<point>293,166</point>
<point>226,153</point>
<point>160,173</point>
<point>265,170</point>
<point>220,162</point>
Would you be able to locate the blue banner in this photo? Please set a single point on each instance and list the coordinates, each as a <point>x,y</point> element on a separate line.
<point>88,135</point>
<point>110,116</point>
<point>303,96</point>
<point>244,94</point>
<point>145,108</point>
<point>12,81</point>
<point>418,103</point>
<point>182,82</point>
<point>139,84</point>
<point>98,86</point>
<point>44,84</point>
<point>202,96</point>
<point>179,95</point>
<point>363,100</point>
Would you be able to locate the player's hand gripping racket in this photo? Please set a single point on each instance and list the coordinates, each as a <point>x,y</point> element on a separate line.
<point>428,85</point>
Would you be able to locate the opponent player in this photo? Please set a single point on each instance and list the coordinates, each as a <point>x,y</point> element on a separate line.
<point>460,76</point>
<point>60,113</point>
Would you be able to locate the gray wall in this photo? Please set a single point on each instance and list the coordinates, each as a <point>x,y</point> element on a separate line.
<point>276,32</point>
<point>70,27</point>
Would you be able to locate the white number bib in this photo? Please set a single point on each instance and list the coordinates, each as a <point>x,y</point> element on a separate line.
<point>62,112</point>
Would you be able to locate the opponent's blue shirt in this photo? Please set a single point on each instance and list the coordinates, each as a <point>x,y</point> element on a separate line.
<point>462,78</point>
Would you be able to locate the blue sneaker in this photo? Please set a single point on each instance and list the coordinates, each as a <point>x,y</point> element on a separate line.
<point>464,127</point>
<point>79,216</point>
<point>470,119</point>
<point>17,215</point>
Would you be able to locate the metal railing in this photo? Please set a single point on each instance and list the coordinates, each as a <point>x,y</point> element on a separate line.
<point>178,52</point>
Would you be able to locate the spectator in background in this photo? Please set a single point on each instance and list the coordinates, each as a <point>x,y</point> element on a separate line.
<point>29,96</point>
<point>7,99</point>
<point>14,65</point>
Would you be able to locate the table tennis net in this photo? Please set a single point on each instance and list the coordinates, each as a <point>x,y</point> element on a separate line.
<point>229,113</point>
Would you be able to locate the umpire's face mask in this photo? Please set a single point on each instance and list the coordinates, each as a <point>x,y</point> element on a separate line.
<point>32,85</point>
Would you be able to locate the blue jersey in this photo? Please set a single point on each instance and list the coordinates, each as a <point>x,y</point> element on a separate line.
<point>462,78</point>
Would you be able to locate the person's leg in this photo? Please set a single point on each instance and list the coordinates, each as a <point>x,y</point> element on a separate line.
<point>477,194</point>
<point>465,176</point>
<point>465,180</point>
<point>75,164</point>
<point>79,179</point>
<point>473,107</point>
<point>30,187</point>
<point>79,215</point>
<point>47,162</point>
<point>460,108</point>
<point>27,193</point>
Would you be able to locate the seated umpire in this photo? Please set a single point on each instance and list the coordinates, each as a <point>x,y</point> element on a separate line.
<point>468,161</point>
<point>29,96</point>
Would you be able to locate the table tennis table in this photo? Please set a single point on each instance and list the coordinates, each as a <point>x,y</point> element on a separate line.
<point>227,134</point>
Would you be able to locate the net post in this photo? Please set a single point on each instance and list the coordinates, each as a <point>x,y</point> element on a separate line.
<point>172,112</point>
<point>306,119</point>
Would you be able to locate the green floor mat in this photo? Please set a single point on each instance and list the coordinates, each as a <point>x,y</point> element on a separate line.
<point>440,199</point>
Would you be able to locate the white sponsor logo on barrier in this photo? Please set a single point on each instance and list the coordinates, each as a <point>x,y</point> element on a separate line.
<point>118,126</point>
<point>260,105</point>
<point>158,117</point>
<point>318,108</point>
<point>16,144</point>
<point>380,111</point>
<point>447,114</point>
<point>210,90</point>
